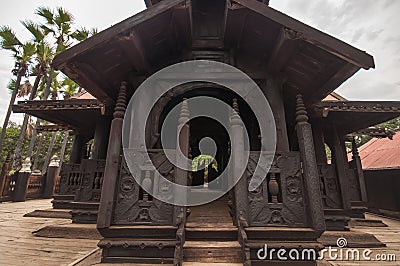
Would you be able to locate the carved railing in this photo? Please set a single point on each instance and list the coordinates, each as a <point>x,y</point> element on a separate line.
<point>91,180</point>
<point>280,199</point>
<point>70,178</point>
<point>133,205</point>
<point>329,186</point>
<point>9,186</point>
<point>35,187</point>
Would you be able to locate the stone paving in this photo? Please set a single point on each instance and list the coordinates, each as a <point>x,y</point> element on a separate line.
<point>20,247</point>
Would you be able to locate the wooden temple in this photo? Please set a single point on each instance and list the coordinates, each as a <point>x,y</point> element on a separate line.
<point>296,67</point>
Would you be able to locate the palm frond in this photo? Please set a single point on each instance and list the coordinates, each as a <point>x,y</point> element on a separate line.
<point>63,16</point>
<point>34,29</point>
<point>28,50</point>
<point>47,30</point>
<point>83,33</point>
<point>45,13</point>
<point>11,85</point>
<point>8,39</point>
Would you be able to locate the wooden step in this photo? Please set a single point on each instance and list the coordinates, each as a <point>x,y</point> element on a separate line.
<point>212,251</point>
<point>219,232</point>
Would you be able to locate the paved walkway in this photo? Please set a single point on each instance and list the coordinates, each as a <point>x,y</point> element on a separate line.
<point>18,246</point>
<point>389,235</point>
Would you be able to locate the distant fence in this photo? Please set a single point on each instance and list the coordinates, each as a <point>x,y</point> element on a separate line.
<point>383,189</point>
<point>25,185</point>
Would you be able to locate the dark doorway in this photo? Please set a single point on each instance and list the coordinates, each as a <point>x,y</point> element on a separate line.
<point>202,128</point>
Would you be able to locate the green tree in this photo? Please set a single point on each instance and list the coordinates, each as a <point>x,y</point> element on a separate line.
<point>22,54</point>
<point>43,57</point>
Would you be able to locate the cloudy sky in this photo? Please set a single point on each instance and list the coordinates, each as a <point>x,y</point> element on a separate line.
<point>370,25</point>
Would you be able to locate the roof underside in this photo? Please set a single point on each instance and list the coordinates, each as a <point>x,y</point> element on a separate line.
<point>352,116</point>
<point>80,115</point>
<point>265,42</point>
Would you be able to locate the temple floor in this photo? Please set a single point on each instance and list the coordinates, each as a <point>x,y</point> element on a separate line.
<point>20,247</point>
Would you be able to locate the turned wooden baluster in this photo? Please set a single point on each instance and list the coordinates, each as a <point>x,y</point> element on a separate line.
<point>273,188</point>
<point>310,170</point>
<point>112,161</point>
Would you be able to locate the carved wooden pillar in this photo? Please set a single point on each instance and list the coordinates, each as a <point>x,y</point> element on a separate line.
<point>181,178</point>
<point>101,135</point>
<point>359,171</point>
<point>182,144</point>
<point>319,142</point>
<point>77,149</point>
<point>310,170</point>
<point>339,155</point>
<point>238,164</point>
<point>112,161</point>
<point>273,92</point>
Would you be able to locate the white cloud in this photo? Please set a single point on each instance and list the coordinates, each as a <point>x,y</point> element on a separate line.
<point>368,25</point>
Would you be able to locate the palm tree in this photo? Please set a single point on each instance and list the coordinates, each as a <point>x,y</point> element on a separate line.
<point>206,160</point>
<point>23,54</point>
<point>69,88</point>
<point>43,56</point>
<point>59,25</point>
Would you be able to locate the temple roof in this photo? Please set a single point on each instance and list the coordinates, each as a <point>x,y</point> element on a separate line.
<point>381,153</point>
<point>352,116</point>
<point>79,115</point>
<point>310,61</point>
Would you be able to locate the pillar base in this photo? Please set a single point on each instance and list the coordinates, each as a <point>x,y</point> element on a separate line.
<point>336,220</point>
<point>63,201</point>
<point>138,244</point>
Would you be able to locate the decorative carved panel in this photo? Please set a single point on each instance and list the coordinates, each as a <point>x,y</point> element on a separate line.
<point>92,172</point>
<point>283,206</point>
<point>134,205</point>
<point>70,175</point>
<point>329,186</point>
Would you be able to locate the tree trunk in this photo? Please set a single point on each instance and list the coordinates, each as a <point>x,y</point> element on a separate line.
<point>8,114</point>
<point>38,121</point>
<point>33,139</point>
<point>63,147</point>
<point>39,147</point>
<point>49,151</point>
<point>20,142</point>
<point>48,85</point>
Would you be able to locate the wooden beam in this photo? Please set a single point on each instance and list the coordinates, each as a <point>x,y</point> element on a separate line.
<point>149,3</point>
<point>343,74</point>
<point>286,44</point>
<point>90,86</point>
<point>132,46</point>
<point>312,35</point>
